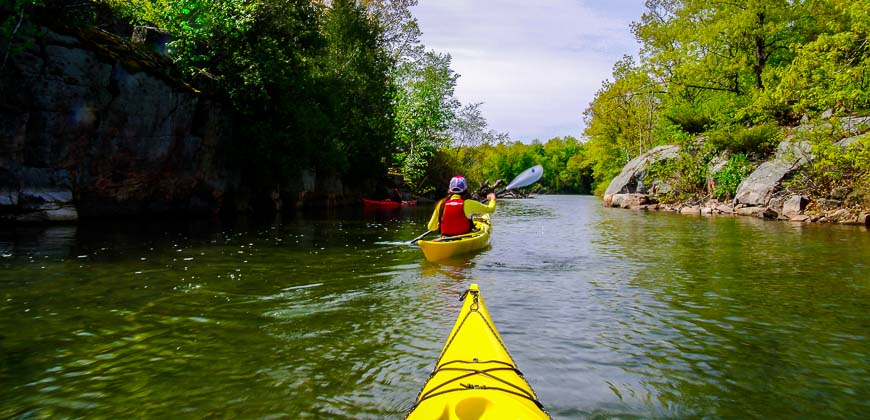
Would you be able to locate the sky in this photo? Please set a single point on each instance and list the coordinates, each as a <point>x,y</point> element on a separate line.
<point>535,64</point>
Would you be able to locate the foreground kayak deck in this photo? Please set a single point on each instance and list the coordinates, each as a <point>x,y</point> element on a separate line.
<point>450,246</point>
<point>475,377</point>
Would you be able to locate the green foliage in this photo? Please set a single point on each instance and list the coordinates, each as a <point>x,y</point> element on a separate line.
<point>621,122</point>
<point>355,76</point>
<point>685,176</point>
<point>624,113</point>
<point>726,181</point>
<point>758,140</point>
<point>688,119</point>
<point>425,110</point>
<point>311,83</point>
<point>566,169</point>
<point>834,168</point>
<point>831,72</point>
<point>12,15</point>
<point>718,68</point>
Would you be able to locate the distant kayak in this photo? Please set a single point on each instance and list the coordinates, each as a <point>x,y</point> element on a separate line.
<point>449,246</point>
<point>475,376</point>
<point>387,204</point>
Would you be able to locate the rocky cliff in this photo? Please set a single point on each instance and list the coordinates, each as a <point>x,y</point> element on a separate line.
<point>92,125</point>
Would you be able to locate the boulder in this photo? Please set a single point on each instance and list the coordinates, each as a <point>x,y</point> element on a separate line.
<point>628,200</point>
<point>151,38</point>
<point>794,205</point>
<point>846,142</point>
<point>828,204</point>
<point>757,189</point>
<point>761,185</point>
<point>725,209</point>
<point>690,210</point>
<point>30,194</point>
<point>856,125</point>
<point>769,213</point>
<point>632,179</point>
<point>760,212</point>
<point>843,216</point>
<point>749,211</point>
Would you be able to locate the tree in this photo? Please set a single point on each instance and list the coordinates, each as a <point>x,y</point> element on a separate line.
<point>832,71</point>
<point>424,111</point>
<point>621,120</point>
<point>399,28</point>
<point>355,74</point>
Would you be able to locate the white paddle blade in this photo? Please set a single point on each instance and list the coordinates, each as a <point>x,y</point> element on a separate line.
<point>528,177</point>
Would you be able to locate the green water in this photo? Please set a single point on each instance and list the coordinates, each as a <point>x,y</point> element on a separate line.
<point>609,313</point>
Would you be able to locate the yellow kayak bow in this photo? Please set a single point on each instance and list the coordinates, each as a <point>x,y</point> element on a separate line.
<point>475,376</point>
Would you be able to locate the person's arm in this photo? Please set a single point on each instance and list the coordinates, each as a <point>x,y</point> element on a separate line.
<point>473,206</point>
<point>434,223</point>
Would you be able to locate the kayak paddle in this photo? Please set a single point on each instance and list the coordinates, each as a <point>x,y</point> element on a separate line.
<point>528,177</point>
<point>414,241</point>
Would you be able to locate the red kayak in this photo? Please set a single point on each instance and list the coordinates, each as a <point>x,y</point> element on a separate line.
<point>386,204</point>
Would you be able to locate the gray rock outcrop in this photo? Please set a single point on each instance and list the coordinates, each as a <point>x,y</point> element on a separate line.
<point>759,187</point>
<point>91,125</point>
<point>794,205</point>
<point>632,179</point>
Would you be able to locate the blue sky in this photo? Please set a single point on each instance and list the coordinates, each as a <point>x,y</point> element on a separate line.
<point>536,64</point>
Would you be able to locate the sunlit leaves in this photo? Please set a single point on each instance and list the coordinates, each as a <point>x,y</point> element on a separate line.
<point>716,68</point>
<point>832,71</point>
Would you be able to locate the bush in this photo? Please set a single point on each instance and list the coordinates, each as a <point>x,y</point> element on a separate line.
<point>757,141</point>
<point>689,119</point>
<point>686,176</point>
<point>834,168</point>
<point>726,181</point>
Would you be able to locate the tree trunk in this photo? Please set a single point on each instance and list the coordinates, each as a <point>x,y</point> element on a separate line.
<point>760,56</point>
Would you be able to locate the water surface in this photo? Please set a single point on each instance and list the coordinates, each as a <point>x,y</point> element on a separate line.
<point>608,312</point>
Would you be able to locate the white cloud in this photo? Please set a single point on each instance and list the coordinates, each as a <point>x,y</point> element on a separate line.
<point>536,65</point>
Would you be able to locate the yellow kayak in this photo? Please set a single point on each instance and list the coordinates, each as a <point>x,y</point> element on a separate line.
<point>475,377</point>
<point>449,246</point>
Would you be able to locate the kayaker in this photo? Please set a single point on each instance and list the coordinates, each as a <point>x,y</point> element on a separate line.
<point>452,215</point>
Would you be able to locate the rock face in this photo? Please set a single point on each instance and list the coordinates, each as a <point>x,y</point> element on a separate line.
<point>90,126</point>
<point>632,178</point>
<point>759,188</point>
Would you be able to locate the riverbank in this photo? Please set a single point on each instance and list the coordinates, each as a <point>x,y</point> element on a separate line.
<point>790,213</point>
<point>816,173</point>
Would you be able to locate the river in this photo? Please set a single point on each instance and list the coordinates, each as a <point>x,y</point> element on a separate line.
<point>608,312</point>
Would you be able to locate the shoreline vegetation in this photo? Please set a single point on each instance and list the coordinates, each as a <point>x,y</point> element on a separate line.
<point>757,108</point>
<point>135,107</point>
<point>785,186</point>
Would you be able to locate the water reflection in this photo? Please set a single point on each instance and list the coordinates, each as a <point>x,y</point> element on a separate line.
<point>37,242</point>
<point>740,323</point>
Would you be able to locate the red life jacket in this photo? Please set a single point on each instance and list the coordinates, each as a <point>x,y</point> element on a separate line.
<point>453,220</point>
